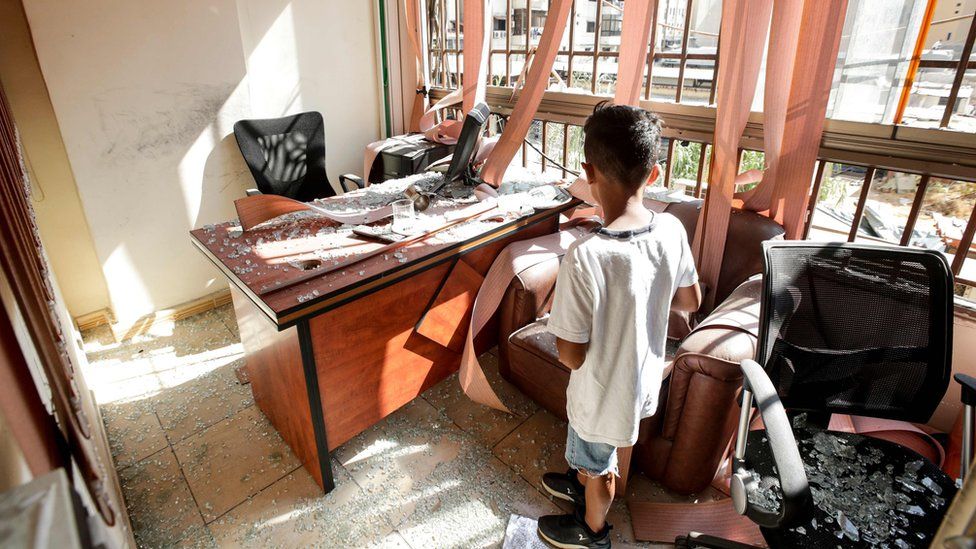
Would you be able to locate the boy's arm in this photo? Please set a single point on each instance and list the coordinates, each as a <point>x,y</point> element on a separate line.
<point>687,299</point>
<point>572,312</point>
<point>687,296</point>
<point>571,354</point>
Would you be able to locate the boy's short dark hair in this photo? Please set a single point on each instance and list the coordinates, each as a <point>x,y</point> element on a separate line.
<point>622,142</point>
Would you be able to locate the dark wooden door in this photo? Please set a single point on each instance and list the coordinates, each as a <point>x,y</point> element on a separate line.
<point>75,434</point>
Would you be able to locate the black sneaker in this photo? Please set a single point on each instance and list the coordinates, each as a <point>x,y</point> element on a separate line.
<point>571,532</point>
<point>565,486</point>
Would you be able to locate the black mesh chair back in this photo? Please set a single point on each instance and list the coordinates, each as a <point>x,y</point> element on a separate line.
<point>857,329</point>
<point>286,155</point>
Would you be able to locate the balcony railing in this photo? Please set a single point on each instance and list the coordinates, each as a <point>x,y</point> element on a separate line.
<point>874,182</point>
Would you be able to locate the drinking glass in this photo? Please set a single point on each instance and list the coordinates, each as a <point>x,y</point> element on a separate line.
<point>404,217</point>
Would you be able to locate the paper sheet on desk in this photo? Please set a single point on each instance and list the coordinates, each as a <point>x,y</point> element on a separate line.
<point>362,217</point>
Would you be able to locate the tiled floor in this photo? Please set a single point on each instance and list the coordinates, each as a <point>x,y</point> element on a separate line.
<point>202,467</point>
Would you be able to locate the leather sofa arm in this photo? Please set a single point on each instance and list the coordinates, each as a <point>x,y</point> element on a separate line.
<point>684,445</point>
<point>527,299</point>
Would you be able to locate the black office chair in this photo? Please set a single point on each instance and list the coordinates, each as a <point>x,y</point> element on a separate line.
<point>286,156</point>
<point>850,329</point>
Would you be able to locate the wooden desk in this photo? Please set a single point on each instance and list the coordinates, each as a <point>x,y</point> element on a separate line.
<point>332,356</point>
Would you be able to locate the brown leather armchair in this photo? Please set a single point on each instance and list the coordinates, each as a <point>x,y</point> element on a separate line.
<point>682,444</point>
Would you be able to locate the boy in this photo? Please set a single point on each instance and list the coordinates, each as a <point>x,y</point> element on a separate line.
<point>610,316</point>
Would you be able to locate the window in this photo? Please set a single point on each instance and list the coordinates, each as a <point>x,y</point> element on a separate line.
<point>610,25</point>
<point>518,21</point>
<point>877,183</point>
<point>875,81</point>
<point>940,88</point>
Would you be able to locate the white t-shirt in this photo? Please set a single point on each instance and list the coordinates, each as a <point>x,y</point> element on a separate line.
<point>615,293</point>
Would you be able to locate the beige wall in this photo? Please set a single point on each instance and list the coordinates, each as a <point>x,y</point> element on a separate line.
<point>950,24</point>
<point>146,94</point>
<point>60,217</point>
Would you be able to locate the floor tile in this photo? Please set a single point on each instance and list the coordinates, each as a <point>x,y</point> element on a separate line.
<point>134,432</point>
<point>168,355</point>
<point>198,539</point>
<point>97,337</point>
<point>198,340</point>
<point>537,446</point>
<point>486,424</point>
<point>293,513</point>
<point>440,472</point>
<point>119,373</point>
<point>233,460</point>
<point>439,486</point>
<point>202,401</point>
<point>226,314</point>
<point>204,330</point>
<point>159,501</point>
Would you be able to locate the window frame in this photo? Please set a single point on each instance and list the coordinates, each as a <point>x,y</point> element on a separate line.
<point>926,152</point>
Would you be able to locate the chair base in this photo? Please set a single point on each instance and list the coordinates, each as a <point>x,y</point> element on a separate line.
<point>856,481</point>
<point>694,540</point>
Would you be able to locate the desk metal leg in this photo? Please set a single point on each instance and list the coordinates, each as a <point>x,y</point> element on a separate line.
<point>315,405</point>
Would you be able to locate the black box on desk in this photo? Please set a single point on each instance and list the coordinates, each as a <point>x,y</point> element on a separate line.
<point>408,155</point>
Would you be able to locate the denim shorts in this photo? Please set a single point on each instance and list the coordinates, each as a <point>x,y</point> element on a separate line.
<point>592,458</point>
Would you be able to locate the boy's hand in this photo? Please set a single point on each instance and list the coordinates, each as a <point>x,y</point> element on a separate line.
<point>687,299</point>
<point>571,354</point>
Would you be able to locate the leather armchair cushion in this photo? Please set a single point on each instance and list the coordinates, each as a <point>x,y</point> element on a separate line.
<point>683,445</point>
<point>535,368</point>
<point>528,298</point>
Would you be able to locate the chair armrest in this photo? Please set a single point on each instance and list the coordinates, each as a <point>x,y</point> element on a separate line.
<point>348,178</point>
<point>786,455</point>
<point>968,385</point>
<point>252,192</point>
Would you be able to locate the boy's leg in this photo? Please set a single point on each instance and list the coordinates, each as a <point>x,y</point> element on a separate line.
<point>599,494</point>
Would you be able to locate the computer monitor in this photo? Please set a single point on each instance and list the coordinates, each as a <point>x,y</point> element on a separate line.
<point>466,146</point>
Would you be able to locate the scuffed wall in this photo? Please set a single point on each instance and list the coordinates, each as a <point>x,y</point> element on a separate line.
<point>146,95</point>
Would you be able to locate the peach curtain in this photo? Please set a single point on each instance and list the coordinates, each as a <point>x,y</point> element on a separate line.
<point>802,69</point>
<point>411,13</point>
<point>741,41</point>
<point>803,43</point>
<point>477,18</point>
<point>805,112</point>
<point>528,102</point>
<point>638,18</point>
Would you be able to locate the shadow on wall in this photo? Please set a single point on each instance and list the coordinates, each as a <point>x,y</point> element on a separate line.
<point>224,173</point>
